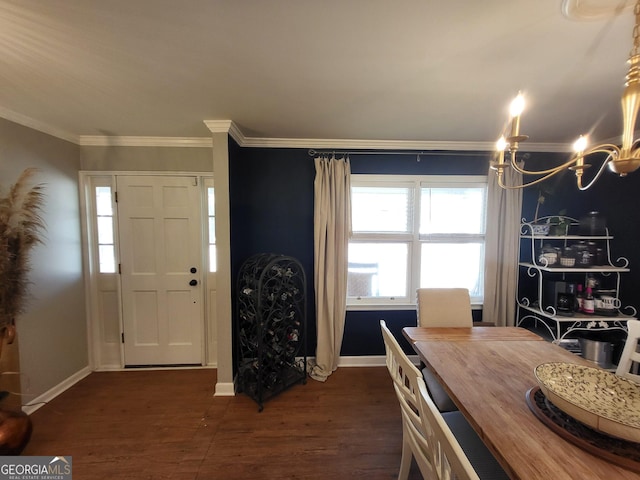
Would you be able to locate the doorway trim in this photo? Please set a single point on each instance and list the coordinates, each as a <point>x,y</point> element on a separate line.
<point>105,349</point>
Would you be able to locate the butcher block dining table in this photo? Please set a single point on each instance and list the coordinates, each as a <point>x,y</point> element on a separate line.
<point>488,372</point>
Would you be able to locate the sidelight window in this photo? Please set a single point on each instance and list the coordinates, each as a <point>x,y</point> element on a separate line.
<point>105,230</point>
<point>211,216</point>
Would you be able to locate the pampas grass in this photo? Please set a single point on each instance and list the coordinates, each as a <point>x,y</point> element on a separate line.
<point>21,227</point>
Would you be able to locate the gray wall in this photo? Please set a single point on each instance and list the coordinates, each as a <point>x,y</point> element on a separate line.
<point>52,333</point>
<point>159,159</point>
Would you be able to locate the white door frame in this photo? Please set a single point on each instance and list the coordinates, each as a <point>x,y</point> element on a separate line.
<point>106,350</point>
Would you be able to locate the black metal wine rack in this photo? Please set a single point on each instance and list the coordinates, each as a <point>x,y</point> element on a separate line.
<point>271,309</point>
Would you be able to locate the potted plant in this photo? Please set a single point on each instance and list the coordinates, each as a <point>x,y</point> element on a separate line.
<point>560,224</point>
<point>21,228</point>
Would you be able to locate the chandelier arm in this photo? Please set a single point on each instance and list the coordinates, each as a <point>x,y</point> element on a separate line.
<point>600,170</point>
<point>524,185</point>
<point>548,172</point>
<point>608,148</point>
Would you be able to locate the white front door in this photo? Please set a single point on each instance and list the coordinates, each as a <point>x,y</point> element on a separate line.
<point>160,235</point>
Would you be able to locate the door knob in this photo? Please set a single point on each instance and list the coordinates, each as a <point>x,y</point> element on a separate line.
<point>193,269</point>
<point>193,282</point>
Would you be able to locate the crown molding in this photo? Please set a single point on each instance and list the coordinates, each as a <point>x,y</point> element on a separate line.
<point>229,127</point>
<point>102,141</point>
<point>219,126</point>
<point>37,125</point>
<point>353,144</point>
<point>305,143</point>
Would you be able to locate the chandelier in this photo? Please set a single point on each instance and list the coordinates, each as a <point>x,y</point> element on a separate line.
<point>622,159</point>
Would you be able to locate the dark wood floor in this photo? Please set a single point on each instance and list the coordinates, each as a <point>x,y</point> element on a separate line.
<point>167,425</point>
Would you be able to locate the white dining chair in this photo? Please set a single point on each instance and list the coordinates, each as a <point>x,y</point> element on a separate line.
<point>457,451</point>
<point>442,307</point>
<point>448,458</point>
<point>630,353</point>
<point>405,375</point>
<point>421,440</point>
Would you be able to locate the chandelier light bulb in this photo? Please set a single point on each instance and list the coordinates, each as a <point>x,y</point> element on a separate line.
<point>501,144</point>
<point>580,144</point>
<point>517,106</point>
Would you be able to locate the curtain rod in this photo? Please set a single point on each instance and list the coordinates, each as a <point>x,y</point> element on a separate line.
<point>418,153</point>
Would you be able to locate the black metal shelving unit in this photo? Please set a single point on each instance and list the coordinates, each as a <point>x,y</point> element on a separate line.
<point>271,326</point>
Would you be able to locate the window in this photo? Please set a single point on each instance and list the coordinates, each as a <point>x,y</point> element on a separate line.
<point>211,214</point>
<point>411,232</point>
<point>104,225</point>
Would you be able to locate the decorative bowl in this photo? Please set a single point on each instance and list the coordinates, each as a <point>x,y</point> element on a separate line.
<point>598,398</point>
<point>542,229</point>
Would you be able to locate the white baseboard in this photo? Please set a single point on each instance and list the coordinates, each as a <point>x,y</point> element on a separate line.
<point>362,361</point>
<point>224,389</point>
<point>369,361</point>
<point>117,368</point>
<point>109,368</point>
<point>52,393</point>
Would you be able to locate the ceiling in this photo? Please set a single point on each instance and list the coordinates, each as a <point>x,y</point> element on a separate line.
<point>372,72</point>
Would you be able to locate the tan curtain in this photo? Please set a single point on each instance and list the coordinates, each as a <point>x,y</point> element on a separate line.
<point>504,214</point>
<point>332,226</point>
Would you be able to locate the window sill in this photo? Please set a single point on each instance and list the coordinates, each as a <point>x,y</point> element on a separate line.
<point>399,306</point>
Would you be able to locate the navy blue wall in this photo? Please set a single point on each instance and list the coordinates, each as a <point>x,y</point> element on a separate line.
<point>271,203</point>
<point>271,194</point>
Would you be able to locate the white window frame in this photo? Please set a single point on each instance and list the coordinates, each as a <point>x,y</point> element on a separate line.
<point>92,182</point>
<point>212,263</point>
<point>413,238</point>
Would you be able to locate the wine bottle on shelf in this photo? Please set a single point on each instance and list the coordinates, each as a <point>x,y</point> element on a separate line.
<point>580,298</point>
<point>588,304</point>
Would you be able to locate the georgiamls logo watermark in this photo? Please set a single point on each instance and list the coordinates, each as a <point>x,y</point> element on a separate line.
<point>36,468</point>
